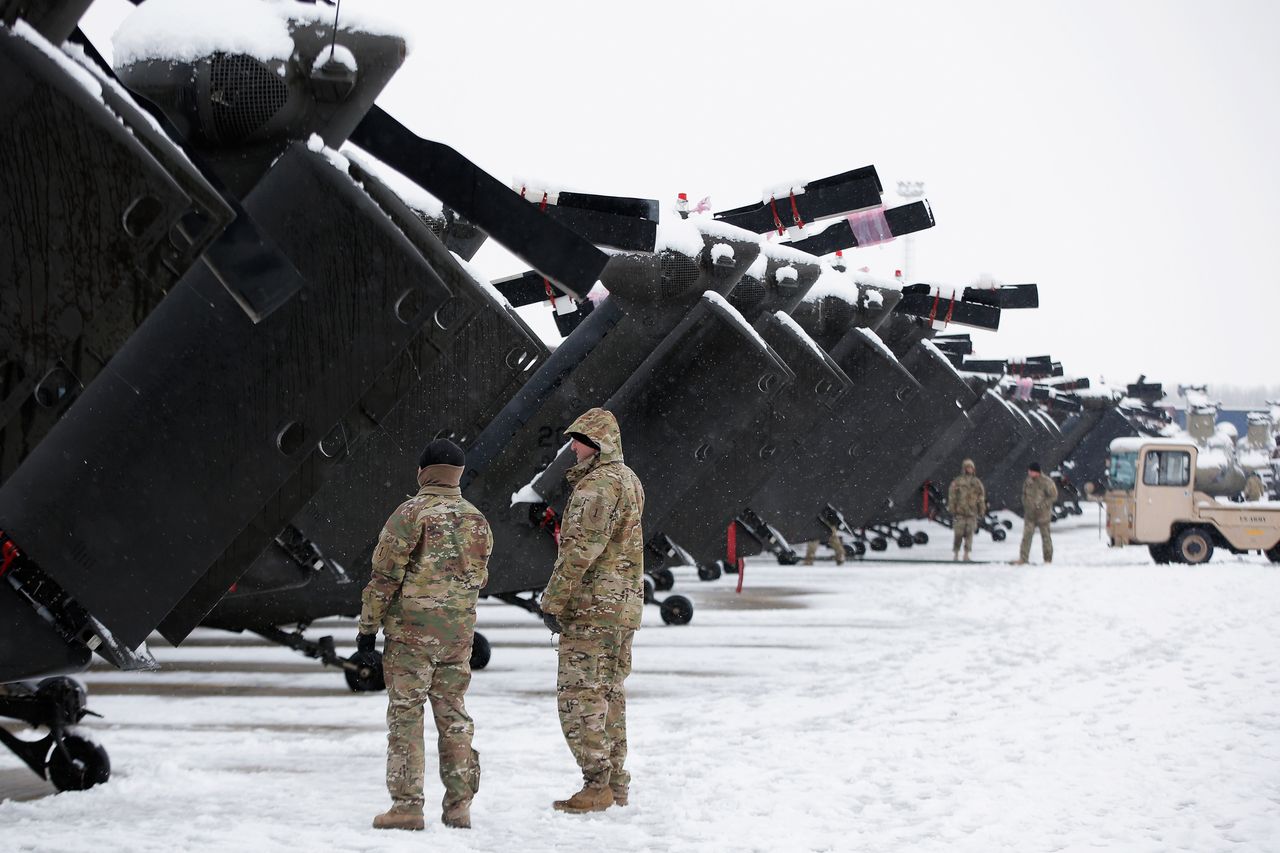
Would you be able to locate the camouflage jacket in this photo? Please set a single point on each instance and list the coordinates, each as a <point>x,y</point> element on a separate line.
<point>1038,497</point>
<point>967,496</point>
<point>598,578</point>
<point>431,561</point>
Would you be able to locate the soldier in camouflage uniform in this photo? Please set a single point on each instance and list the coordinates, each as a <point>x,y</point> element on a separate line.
<point>1038,497</point>
<point>834,542</point>
<point>967,502</point>
<point>431,561</point>
<point>594,599</point>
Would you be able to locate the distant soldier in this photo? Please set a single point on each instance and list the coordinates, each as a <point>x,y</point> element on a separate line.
<point>967,502</point>
<point>431,561</point>
<point>834,542</point>
<point>593,600</point>
<point>1038,497</point>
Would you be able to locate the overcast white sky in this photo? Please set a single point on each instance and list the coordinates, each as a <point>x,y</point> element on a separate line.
<point>1120,154</point>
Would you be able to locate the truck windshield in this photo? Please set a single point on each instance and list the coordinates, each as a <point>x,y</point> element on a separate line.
<point>1123,472</point>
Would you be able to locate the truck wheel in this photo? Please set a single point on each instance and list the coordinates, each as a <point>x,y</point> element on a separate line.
<point>1160,553</point>
<point>1193,546</point>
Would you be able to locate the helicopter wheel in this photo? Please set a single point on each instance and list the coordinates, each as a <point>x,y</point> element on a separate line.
<point>998,534</point>
<point>726,567</point>
<point>904,540</point>
<point>920,537</point>
<point>663,579</point>
<point>677,610</point>
<point>788,558</point>
<point>87,766</point>
<point>481,651</point>
<point>709,571</point>
<point>648,590</point>
<point>365,679</point>
<point>1008,525</point>
<point>858,547</point>
<point>879,544</point>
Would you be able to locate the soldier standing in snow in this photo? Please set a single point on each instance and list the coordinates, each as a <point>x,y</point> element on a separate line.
<point>593,601</point>
<point>431,561</point>
<point>1038,497</point>
<point>967,502</point>
<point>834,542</point>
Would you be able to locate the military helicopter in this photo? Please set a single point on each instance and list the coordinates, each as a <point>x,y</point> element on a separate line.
<point>198,396</point>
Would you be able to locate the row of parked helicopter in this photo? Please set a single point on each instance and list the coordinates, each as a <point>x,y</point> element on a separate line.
<point>238,301</point>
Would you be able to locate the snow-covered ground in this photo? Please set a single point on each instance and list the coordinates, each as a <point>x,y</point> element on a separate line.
<point>1101,703</point>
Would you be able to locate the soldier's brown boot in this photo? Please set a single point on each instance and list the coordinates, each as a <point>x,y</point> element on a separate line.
<point>619,794</point>
<point>592,798</point>
<point>400,817</point>
<point>458,817</point>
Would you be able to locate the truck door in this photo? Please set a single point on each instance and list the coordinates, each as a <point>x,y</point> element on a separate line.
<point>1163,493</point>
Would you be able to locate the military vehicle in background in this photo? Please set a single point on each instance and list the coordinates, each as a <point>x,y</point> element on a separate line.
<point>1218,470</point>
<point>1257,453</point>
<point>1155,499</point>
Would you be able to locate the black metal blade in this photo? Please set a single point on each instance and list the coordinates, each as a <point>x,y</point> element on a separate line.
<point>566,323</point>
<point>636,208</point>
<point>985,365</point>
<point>1006,295</point>
<point>525,288</point>
<point>909,218</point>
<point>947,310</point>
<point>906,219</point>
<point>821,199</point>
<point>618,231</point>
<point>960,344</point>
<point>546,245</point>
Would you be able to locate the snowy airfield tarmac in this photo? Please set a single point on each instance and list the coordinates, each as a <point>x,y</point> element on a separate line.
<point>1101,703</point>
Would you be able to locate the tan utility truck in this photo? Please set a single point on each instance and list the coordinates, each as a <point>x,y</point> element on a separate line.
<point>1152,500</point>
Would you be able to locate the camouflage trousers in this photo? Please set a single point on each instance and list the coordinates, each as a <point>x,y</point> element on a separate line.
<point>416,675</point>
<point>964,526</point>
<point>1029,528</point>
<point>594,662</point>
<point>833,541</point>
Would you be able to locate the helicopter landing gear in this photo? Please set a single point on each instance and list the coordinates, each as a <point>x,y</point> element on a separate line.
<point>676,610</point>
<point>69,761</point>
<point>709,571</point>
<point>364,677</point>
<point>481,651</point>
<point>663,578</point>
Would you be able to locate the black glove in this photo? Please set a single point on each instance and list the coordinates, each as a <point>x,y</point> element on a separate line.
<point>550,620</point>
<point>365,644</point>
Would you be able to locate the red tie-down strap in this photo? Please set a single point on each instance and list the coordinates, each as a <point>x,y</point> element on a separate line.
<point>795,211</point>
<point>925,491</point>
<point>951,307</point>
<point>8,554</point>
<point>551,294</point>
<point>777,220</point>
<point>731,553</point>
<point>551,523</point>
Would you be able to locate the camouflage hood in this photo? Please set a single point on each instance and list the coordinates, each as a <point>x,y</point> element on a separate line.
<point>600,426</point>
